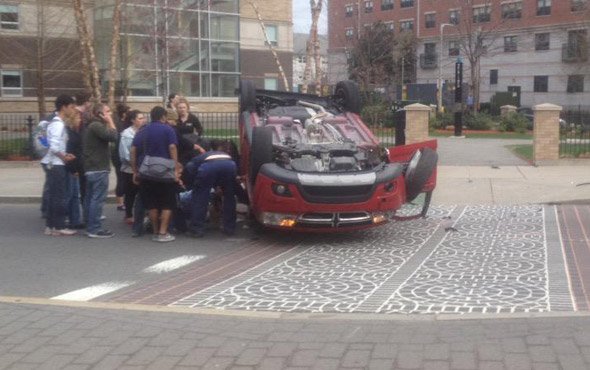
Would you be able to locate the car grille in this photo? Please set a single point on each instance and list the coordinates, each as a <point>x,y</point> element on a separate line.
<point>342,219</point>
<point>336,194</point>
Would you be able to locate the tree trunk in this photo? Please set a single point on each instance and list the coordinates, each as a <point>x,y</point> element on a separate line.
<point>114,52</point>
<point>88,49</point>
<point>272,49</point>
<point>316,11</point>
<point>41,58</point>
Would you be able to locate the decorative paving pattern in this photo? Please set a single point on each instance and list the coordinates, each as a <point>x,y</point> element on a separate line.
<point>334,274</point>
<point>495,262</point>
<point>487,259</point>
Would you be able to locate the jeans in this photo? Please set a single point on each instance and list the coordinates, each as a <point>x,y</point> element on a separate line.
<point>138,216</point>
<point>73,199</point>
<point>45,194</point>
<point>211,174</point>
<point>56,196</point>
<point>97,185</point>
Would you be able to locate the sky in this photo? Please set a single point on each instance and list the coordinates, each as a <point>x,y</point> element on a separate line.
<point>302,17</point>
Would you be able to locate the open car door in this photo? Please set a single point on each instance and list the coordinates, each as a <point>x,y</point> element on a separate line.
<point>420,163</point>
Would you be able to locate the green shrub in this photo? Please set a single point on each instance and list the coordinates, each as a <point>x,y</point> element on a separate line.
<point>377,114</point>
<point>441,120</point>
<point>514,122</point>
<point>500,99</point>
<point>480,121</point>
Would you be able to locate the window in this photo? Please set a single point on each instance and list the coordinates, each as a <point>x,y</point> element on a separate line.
<point>349,32</point>
<point>406,25</point>
<point>541,41</point>
<point>12,83</point>
<point>390,26</point>
<point>541,84</point>
<point>575,83</point>
<point>407,3</point>
<point>543,7</point>
<point>454,17</point>
<point>577,5</point>
<point>368,6</point>
<point>512,10</point>
<point>386,4</point>
<point>493,76</point>
<point>482,14</point>
<point>272,34</point>
<point>8,17</point>
<point>510,44</point>
<point>271,83</point>
<point>348,10</point>
<point>454,48</point>
<point>430,20</point>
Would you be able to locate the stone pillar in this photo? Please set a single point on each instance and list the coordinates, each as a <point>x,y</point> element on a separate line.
<point>546,133</point>
<point>507,109</point>
<point>417,116</point>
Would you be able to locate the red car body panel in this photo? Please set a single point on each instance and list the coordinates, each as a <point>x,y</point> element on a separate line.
<point>385,199</point>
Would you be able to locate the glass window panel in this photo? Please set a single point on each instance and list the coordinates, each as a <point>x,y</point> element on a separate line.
<point>138,19</point>
<point>141,83</point>
<point>224,57</point>
<point>206,85</point>
<point>186,83</point>
<point>139,52</point>
<point>183,54</point>
<point>204,56</point>
<point>224,27</point>
<point>223,85</point>
<point>204,23</point>
<point>272,34</point>
<point>226,6</point>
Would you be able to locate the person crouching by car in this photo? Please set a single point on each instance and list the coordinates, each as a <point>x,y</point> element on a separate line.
<point>204,172</point>
<point>100,132</point>
<point>158,193</point>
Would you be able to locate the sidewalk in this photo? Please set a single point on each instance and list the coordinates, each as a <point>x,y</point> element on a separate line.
<point>458,185</point>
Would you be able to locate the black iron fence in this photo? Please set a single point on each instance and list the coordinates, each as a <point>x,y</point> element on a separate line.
<point>575,134</point>
<point>17,129</point>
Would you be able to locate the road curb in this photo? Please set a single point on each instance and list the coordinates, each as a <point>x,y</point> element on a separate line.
<point>287,315</point>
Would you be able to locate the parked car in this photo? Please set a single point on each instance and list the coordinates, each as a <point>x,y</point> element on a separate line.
<point>530,115</point>
<point>311,164</point>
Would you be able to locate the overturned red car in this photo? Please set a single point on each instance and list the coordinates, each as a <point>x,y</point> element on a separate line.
<point>311,164</point>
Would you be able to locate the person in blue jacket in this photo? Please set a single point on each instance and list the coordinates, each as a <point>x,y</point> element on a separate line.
<point>205,172</point>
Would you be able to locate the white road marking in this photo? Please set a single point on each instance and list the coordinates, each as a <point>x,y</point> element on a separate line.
<point>173,264</point>
<point>91,292</point>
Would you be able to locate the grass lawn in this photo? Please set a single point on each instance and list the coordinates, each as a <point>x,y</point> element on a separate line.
<point>570,151</point>
<point>10,147</point>
<point>484,134</point>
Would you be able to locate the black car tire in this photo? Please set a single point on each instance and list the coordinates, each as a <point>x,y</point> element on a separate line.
<point>419,170</point>
<point>247,96</point>
<point>260,150</point>
<point>348,94</point>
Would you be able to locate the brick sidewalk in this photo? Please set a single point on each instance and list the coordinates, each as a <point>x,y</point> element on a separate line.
<point>60,337</point>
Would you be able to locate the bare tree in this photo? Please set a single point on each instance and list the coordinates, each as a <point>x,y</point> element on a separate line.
<point>270,46</point>
<point>90,66</point>
<point>479,30</point>
<point>312,50</point>
<point>114,52</point>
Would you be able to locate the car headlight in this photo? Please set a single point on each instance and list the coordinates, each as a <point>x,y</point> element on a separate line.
<point>278,219</point>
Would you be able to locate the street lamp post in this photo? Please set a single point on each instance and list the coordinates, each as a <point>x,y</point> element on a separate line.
<point>439,82</point>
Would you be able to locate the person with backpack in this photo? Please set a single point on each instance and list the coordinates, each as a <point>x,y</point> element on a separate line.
<point>54,162</point>
<point>41,147</point>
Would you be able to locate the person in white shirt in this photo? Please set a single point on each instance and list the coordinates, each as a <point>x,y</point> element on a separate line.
<point>57,175</point>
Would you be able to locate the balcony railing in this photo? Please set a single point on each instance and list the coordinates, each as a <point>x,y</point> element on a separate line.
<point>574,53</point>
<point>428,60</point>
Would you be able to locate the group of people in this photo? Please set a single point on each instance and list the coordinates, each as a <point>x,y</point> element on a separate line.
<point>165,168</point>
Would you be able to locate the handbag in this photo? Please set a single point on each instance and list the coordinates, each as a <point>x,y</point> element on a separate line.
<point>157,169</point>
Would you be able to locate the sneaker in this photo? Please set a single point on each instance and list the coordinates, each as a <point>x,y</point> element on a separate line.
<point>101,234</point>
<point>48,231</point>
<point>103,217</point>
<point>64,232</point>
<point>165,238</point>
<point>121,207</point>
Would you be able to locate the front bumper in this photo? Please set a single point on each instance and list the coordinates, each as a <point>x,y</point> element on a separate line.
<point>327,201</point>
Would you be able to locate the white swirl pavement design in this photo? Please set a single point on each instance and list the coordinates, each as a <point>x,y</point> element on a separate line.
<point>485,259</point>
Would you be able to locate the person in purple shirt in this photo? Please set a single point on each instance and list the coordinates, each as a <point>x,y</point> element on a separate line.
<point>156,139</point>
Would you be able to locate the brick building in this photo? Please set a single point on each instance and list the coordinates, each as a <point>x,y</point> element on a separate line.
<point>198,48</point>
<point>538,49</point>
